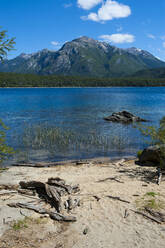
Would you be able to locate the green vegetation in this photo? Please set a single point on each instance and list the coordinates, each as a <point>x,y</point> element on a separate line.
<point>153,204</point>
<point>32,80</point>
<point>151,73</point>
<point>84,57</point>
<point>150,200</point>
<point>27,221</point>
<point>6,44</point>
<point>5,150</point>
<point>153,194</point>
<point>3,169</point>
<point>20,224</point>
<point>139,153</point>
<point>156,137</point>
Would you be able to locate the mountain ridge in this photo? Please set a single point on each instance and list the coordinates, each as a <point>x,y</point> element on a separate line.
<point>84,56</point>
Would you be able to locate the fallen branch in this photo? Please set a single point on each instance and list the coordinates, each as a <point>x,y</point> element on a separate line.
<point>37,209</point>
<point>110,178</point>
<point>156,214</point>
<point>9,186</point>
<point>41,210</point>
<point>7,192</point>
<point>26,192</point>
<point>37,165</point>
<point>47,164</point>
<point>145,215</point>
<point>117,198</point>
<point>96,197</point>
<point>61,217</point>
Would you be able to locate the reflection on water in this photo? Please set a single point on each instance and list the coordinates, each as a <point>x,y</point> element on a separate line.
<point>80,112</point>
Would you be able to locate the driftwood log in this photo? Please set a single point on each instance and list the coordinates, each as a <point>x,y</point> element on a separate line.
<point>61,217</point>
<point>9,186</point>
<point>41,210</point>
<point>7,192</point>
<point>51,192</point>
<point>37,209</point>
<point>26,192</point>
<point>50,164</point>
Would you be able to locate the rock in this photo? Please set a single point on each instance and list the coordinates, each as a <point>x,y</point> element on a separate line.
<point>152,155</point>
<point>124,117</point>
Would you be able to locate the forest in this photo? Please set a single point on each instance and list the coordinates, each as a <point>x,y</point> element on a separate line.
<point>33,80</point>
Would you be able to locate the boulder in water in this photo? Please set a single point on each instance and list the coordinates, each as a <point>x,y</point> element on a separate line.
<point>124,117</point>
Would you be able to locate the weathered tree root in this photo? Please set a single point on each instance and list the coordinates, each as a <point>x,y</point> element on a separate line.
<point>51,192</point>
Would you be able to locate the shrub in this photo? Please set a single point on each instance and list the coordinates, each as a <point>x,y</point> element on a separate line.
<point>5,150</point>
<point>157,137</point>
<point>139,153</point>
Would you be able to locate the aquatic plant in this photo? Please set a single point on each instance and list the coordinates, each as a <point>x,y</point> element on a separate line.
<point>57,140</point>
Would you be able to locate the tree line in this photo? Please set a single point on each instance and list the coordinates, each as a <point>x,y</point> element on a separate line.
<point>33,80</point>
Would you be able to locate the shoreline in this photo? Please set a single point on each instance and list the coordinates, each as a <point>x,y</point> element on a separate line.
<point>99,159</point>
<point>108,192</point>
<point>81,87</point>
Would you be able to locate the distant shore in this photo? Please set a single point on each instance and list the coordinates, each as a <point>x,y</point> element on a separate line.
<point>8,79</point>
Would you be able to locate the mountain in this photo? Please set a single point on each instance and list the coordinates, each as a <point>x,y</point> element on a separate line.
<point>151,73</point>
<point>84,57</point>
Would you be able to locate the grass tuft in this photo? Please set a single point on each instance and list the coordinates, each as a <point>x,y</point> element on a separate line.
<point>150,200</point>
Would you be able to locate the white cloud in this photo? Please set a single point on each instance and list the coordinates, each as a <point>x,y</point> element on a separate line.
<point>88,4</point>
<point>119,29</point>
<point>151,36</point>
<point>108,11</point>
<point>55,43</point>
<point>163,37</point>
<point>164,44</point>
<point>118,38</point>
<point>67,5</point>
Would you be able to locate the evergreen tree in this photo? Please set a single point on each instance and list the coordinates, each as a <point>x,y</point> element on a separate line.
<point>6,44</point>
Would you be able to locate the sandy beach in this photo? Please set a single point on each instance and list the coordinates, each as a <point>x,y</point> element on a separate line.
<point>110,194</point>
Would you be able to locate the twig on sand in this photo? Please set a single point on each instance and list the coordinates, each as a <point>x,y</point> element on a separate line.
<point>126,213</point>
<point>117,198</point>
<point>147,216</point>
<point>96,197</point>
<point>110,178</point>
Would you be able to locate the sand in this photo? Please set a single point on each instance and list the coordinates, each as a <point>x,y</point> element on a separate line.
<point>102,222</point>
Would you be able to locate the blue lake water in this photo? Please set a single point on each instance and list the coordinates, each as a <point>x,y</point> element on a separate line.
<point>80,110</point>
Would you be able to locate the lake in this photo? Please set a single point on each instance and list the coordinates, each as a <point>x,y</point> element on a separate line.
<point>67,123</point>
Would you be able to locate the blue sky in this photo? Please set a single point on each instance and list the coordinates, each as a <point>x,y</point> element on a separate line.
<point>39,24</point>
